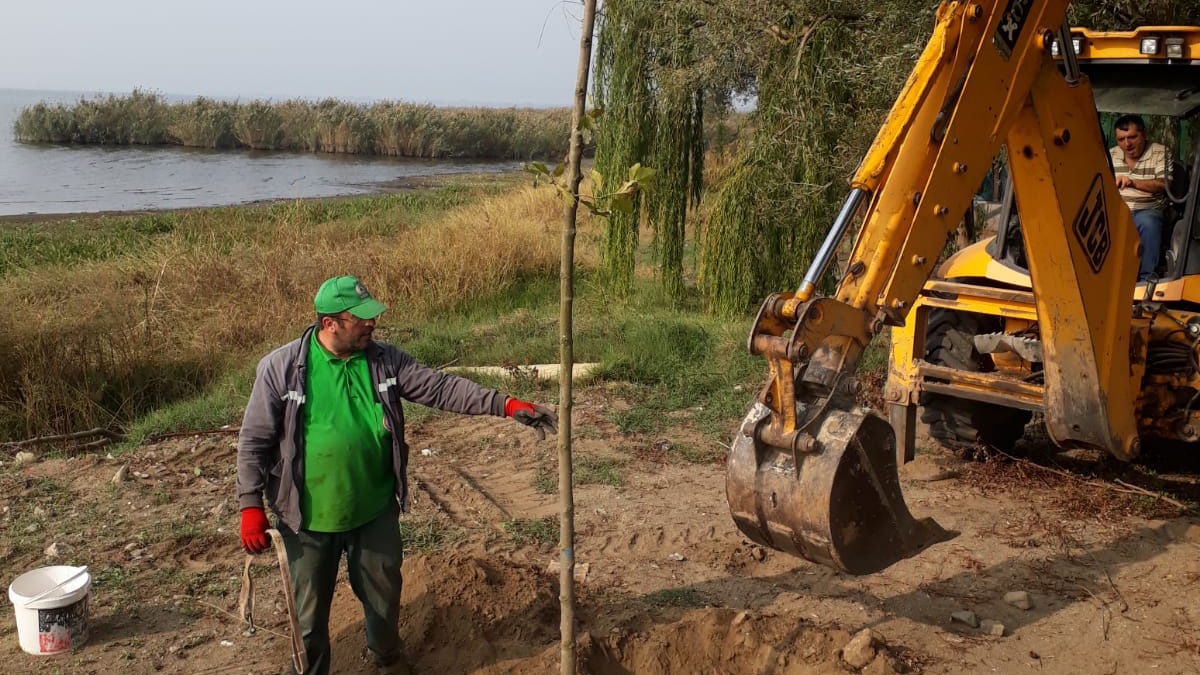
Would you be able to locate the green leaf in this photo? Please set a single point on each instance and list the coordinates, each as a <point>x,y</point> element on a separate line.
<point>536,168</point>
<point>567,197</point>
<point>559,169</point>
<point>622,202</point>
<point>628,189</point>
<point>597,181</point>
<point>642,174</point>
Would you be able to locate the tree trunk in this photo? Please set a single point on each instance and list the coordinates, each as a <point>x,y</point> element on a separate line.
<point>566,536</point>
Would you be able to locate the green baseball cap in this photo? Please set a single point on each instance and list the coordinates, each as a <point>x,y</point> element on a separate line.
<point>347,294</point>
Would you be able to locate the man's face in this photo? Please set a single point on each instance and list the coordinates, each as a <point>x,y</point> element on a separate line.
<point>1132,142</point>
<point>348,333</point>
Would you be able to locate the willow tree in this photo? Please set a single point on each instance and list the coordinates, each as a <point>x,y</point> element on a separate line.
<point>663,66</point>
<point>1127,14</point>
<point>816,107</point>
<point>826,77</point>
<point>659,66</point>
<point>822,75</point>
<point>622,80</point>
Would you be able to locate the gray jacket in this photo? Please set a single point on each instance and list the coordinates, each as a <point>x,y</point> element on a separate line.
<point>271,443</point>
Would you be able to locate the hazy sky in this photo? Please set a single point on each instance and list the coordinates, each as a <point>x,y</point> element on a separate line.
<point>472,52</point>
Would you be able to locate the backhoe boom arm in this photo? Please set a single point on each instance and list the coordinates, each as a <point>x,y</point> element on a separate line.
<point>985,79</point>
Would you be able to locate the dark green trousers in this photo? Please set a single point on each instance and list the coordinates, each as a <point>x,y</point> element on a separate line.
<point>374,553</point>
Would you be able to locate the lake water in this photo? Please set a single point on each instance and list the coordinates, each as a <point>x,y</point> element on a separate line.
<point>48,179</point>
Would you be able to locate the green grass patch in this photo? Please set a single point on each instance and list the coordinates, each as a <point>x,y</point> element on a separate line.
<point>691,454</point>
<point>84,239</point>
<point>415,414</point>
<point>515,328</point>
<point>587,431</point>
<point>31,514</point>
<point>112,577</point>
<point>585,470</point>
<point>546,482</point>
<point>677,597</point>
<point>597,470</point>
<point>875,357</point>
<point>422,534</point>
<point>49,491</point>
<point>659,350</point>
<point>541,532</point>
<point>638,419</point>
<point>187,531</point>
<point>220,405</point>
<point>684,363</point>
<point>214,583</point>
<point>118,584</point>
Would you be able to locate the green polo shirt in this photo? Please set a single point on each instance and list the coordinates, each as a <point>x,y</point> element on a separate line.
<point>348,479</point>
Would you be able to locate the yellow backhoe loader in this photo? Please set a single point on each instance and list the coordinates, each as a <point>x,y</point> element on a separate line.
<point>1047,316</point>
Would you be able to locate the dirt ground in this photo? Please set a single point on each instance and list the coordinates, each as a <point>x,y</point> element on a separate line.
<point>668,585</point>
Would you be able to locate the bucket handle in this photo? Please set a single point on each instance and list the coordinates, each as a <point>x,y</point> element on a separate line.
<point>74,575</point>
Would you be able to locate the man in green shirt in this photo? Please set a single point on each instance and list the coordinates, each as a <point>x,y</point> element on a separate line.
<point>323,439</point>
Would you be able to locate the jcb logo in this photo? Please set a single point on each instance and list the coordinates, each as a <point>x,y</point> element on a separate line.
<point>1091,226</point>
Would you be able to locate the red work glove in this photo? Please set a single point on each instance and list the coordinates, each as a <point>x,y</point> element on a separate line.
<point>254,529</point>
<point>531,415</point>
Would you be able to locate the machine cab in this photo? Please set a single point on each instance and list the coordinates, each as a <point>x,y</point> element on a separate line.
<point>1156,83</point>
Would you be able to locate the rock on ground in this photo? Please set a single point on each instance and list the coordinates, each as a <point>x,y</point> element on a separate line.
<point>860,651</point>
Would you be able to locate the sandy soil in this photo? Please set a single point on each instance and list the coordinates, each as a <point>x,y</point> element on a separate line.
<point>668,584</point>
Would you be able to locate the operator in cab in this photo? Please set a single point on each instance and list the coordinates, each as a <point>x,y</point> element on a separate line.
<point>1140,169</point>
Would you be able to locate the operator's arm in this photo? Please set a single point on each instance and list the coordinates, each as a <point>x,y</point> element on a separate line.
<point>1150,174</point>
<point>1151,185</point>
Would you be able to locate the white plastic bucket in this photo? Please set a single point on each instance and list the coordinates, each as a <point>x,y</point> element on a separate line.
<point>58,621</point>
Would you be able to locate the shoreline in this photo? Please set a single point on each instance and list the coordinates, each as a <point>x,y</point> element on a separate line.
<point>394,186</point>
<point>403,184</point>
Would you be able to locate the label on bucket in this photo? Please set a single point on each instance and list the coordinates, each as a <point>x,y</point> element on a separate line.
<point>61,627</point>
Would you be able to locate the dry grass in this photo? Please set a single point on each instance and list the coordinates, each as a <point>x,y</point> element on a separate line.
<point>1073,495</point>
<point>97,343</point>
<point>473,252</point>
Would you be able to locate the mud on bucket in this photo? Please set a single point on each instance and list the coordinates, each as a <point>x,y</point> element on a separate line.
<point>51,620</point>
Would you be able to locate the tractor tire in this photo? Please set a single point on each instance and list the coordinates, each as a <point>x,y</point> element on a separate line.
<point>959,423</point>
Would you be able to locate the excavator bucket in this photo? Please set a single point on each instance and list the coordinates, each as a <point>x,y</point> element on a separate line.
<point>837,502</point>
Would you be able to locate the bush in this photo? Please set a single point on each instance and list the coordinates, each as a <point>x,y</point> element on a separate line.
<point>389,128</point>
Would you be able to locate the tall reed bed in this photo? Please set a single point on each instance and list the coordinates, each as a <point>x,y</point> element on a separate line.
<point>101,336</point>
<point>388,128</point>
